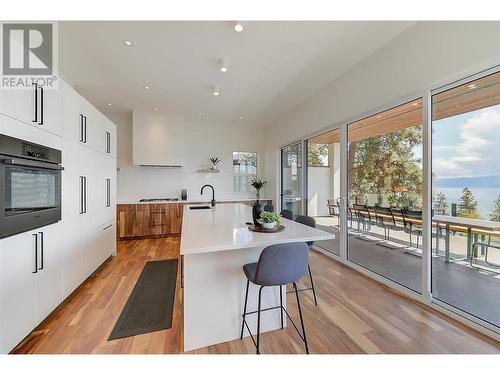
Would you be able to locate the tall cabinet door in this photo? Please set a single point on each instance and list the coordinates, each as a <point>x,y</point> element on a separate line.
<point>17,289</point>
<point>71,113</point>
<point>48,278</point>
<point>51,113</point>
<point>71,252</point>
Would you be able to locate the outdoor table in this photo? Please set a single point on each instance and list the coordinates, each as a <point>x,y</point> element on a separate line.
<point>469,224</point>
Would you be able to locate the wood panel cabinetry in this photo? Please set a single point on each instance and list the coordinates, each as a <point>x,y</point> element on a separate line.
<point>149,220</point>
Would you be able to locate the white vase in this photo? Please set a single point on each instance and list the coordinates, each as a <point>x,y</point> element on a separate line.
<point>269,225</point>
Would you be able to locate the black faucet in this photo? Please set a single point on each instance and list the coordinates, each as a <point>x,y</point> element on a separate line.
<point>213,194</point>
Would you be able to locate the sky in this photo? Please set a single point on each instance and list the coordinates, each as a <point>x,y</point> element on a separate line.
<point>467,145</point>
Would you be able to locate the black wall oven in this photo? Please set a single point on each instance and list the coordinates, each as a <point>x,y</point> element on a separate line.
<point>30,186</point>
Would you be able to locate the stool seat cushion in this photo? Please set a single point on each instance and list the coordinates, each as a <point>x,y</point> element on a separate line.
<point>250,270</point>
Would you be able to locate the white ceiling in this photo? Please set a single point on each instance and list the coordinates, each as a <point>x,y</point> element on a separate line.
<point>273,66</point>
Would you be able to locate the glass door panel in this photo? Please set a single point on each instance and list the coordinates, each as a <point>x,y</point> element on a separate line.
<point>292,178</point>
<point>323,185</point>
<point>466,197</point>
<point>384,188</point>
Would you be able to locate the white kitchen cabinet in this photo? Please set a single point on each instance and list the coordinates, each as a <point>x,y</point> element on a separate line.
<point>18,104</point>
<point>48,279</point>
<point>71,113</point>
<point>17,129</point>
<point>43,112</point>
<point>85,237</point>
<point>158,139</point>
<point>17,289</point>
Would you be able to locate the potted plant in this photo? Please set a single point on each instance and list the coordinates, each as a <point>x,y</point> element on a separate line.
<point>269,219</point>
<point>258,184</point>
<point>214,162</point>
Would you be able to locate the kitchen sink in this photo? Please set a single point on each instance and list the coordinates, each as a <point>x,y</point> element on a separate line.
<point>200,207</point>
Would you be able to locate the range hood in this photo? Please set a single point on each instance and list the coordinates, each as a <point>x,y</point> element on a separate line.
<point>158,139</point>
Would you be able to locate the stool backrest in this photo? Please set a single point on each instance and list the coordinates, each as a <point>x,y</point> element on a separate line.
<point>282,264</point>
<point>287,214</point>
<point>306,220</point>
<point>268,208</point>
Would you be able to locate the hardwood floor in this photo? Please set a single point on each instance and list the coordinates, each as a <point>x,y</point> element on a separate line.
<point>354,315</point>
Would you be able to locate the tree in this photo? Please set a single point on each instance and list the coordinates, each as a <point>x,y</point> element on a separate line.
<point>440,205</point>
<point>495,213</point>
<point>385,165</point>
<point>317,154</point>
<point>467,205</point>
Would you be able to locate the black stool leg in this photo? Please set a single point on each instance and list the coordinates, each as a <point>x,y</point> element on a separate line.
<point>244,311</point>
<point>281,304</point>
<point>258,320</point>
<point>301,319</point>
<point>312,285</point>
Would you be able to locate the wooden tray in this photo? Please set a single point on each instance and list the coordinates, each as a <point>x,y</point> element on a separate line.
<point>259,229</point>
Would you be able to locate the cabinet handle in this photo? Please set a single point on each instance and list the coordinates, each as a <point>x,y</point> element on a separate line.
<point>85,129</point>
<point>36,102</point>
<point>81,127</point>
<point>41,106</point>
<point>83,194</point>
<point>108,192</point>
<point>109,226</point>
<point>41,250</point>
<point>108,143</point>
<point>35,236</point>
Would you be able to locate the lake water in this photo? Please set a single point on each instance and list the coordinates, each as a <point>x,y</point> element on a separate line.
<point>485,198</point>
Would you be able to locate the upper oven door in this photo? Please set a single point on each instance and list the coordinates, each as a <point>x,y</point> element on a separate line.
<point>30,194</point>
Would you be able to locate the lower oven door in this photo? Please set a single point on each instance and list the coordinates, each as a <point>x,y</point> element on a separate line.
<point>30,195</point>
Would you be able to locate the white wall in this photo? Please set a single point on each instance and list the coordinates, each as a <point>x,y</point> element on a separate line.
<point>202,140</point>
<point>424,55</point>
<point>319,179</point>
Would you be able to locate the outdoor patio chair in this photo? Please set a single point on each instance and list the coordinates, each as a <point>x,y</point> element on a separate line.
<point>384,218</point>
<point>364,219</point>
<point>412,221</point>
<point>486,245</point>
<point>334,210</point>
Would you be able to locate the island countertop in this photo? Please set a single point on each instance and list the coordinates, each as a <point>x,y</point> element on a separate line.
<point>224,228</point>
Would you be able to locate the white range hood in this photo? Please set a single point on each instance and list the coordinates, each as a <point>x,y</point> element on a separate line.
<point>158,139</point>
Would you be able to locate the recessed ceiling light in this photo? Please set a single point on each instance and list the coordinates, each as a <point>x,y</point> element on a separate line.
<point>241,118</point>
<point>128,43</point>
<point>156,108</point>
<point>216,91</point>
<point>109,104</point>
<point>223,66</point>
<point>238,27</point>
<point>472,86</point>
<point>146,87</point>
<point>200,113</point>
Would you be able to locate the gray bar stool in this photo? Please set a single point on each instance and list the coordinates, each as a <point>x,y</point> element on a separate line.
<point>278,265</point>
<point>309,221</point>
<point>287,214</point>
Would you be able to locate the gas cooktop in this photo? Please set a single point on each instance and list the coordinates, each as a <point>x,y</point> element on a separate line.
<point>159,199</point>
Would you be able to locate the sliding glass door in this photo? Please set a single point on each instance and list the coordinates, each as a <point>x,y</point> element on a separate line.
<point>466,197</point>
<point>324,185</point>
<point>292,176</point>
<point>384,186</point>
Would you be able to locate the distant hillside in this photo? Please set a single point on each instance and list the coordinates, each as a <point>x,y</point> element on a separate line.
<point>471,182</point>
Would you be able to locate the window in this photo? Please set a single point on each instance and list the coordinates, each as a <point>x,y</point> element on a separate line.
<point>384,175</point>
<point>466,197</point>
<point>244,170</point>
<point>317,154</point>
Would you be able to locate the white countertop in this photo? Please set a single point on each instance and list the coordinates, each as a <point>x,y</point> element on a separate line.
<point>223,228</point>
<point>193,201</point>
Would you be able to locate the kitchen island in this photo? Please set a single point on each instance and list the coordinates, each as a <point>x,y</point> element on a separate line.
<point>215,244</point>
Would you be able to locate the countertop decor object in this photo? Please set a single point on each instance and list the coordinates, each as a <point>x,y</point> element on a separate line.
<point>269,220</point>
<point>257,183</point>
<point>262,229</point>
